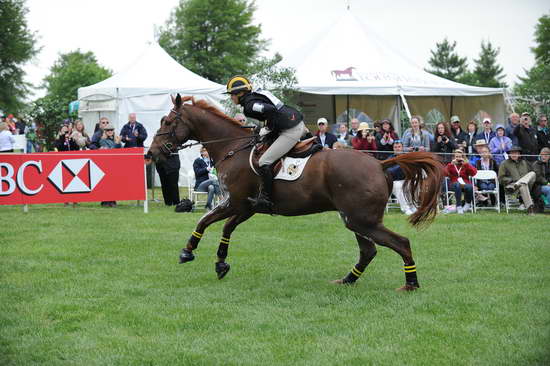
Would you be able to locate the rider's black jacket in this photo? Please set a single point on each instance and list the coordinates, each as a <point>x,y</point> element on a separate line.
<point>277,118</point>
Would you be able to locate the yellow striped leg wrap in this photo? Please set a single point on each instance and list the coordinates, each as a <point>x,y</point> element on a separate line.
<point>356,272</point>
<point>409,269</point>
<point>196,235</point>
<point>224,240</point>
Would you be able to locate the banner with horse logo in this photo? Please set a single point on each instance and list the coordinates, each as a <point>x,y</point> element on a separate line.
<point>72,176</point>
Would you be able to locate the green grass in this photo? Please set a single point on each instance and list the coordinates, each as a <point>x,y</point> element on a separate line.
<point>100,286</point>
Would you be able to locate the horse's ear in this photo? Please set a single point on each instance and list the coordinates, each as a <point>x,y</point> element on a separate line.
<point>178,100</point>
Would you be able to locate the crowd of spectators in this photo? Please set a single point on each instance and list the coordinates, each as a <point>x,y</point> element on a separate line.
<point>518,153</point>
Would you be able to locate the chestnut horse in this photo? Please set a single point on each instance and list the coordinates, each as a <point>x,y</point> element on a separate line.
<point>348,181</point>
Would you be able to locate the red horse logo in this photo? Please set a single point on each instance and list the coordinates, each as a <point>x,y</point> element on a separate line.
<point>340,73</point>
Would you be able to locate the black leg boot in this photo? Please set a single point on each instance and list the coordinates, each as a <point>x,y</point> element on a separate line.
<point>263,202</point>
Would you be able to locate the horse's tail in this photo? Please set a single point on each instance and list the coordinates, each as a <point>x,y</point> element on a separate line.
<point>423,176</point>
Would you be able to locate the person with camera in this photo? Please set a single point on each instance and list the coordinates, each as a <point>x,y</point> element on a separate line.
<point>416,138</point>
<point>527,138</point>
<point>459,172</point>
<point>109,140</point>
<point>64,141</point>
<point>444,143</point>
<point>365,139</point>
<point>385,139</point>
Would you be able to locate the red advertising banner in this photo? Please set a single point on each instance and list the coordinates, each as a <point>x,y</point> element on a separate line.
<point>72,176</point>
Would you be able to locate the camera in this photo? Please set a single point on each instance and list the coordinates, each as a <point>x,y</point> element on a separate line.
<point>415,149</point>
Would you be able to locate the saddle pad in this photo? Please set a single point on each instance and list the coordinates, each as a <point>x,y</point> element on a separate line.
<point>292,168</point>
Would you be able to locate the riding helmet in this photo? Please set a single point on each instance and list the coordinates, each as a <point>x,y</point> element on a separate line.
<point>238,84</point>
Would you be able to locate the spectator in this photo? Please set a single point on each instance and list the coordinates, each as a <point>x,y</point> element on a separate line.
<point>169,173</point>
<point>459,172</point>
<point>377,127</point>
<point>406,207</point>
<point>133,133</point>
<point>6,138</point>
<point>487,134</point>
<point>354,127</point>
<point>94,142</point>
<point>457,132</point>
<point>109,141</point>
<point>31,134</point>
<point>204,180</point>
<point>415,138</point>
<point>477,146</point>
<point>486,163</point>
<point>500,145</point>
<point>11,124</point>
<point>79,135</point>
<point>365,139</point>
<point>444,143</point>
<point>343,136</point>
<point>385,140</point>
<point>543,132</point>
<point>325,138</point>
<point>471,138</point>
<point>64,140</point>
<point>513,122</point>
<point>542,171</point>
<point>241,118</point>
<point>527,138</point>
<point>19,126</point>
<point>517,174</point>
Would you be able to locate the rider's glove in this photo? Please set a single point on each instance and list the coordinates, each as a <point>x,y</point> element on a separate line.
<point>264,131</point>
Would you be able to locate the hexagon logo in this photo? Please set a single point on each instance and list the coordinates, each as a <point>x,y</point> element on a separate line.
<point>76,176</point>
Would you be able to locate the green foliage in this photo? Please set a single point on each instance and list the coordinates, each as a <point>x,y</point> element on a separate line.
<point>89,286</point>
<point>535,85</point>
<point>487,72</point>
<point>48,114</point>
<point>213,38</point>
<point>445,62</point>
<point>71,71</point>
<point>17,46</point>
<point>542,37</point>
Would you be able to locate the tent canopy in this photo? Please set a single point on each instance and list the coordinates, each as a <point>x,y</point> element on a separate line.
<point>350,60</point>
<point>144,88</point>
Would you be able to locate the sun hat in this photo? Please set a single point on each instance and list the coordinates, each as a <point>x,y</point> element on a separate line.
<point>480,142</point>
<point>499,127</point>
<point>322,120</point>
<point>109,127</point>
<point>455,119</point>
<point>486,120</point>
<point>363,126</point>
<point>515,148</point>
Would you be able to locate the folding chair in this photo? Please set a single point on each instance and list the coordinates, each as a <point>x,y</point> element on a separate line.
<point>200,198</point>
<point>487,175</point>
<point>511,201</point>
<point>392,203</point>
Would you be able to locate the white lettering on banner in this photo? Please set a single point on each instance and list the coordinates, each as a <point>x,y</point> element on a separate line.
<point>7,178</point>
<point>21,178</point>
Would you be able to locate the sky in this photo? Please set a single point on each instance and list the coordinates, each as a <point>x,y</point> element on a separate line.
<point>117,31</point>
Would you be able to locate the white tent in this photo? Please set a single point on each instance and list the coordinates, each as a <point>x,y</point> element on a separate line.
<point>144,88</point>
<point>349,67</point>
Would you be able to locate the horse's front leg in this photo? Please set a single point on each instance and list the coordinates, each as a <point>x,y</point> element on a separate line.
<point>221,266</point>
<point>220,212</point>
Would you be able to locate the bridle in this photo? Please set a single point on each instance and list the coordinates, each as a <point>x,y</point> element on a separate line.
<point>168,148</point>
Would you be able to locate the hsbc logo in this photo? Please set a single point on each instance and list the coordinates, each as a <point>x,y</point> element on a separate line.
<point>68,176</point>
<point>76,176</point>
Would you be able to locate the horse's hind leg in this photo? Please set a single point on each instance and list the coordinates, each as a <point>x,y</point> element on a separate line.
<point>221,266</point>
<point>367,252</point>
<point>382,236</point>
<point>220,212</point>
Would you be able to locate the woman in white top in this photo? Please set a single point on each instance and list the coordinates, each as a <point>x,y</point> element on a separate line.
<point>6,138</point>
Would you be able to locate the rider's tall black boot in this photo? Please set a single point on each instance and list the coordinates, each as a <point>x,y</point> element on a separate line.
<point>263,202</point>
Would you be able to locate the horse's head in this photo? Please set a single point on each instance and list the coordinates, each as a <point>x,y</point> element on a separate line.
<point>174,131</point>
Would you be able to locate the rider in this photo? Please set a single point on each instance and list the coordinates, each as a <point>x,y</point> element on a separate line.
<point>283,122</point>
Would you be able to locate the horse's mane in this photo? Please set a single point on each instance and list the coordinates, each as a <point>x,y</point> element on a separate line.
<point>203,104</point>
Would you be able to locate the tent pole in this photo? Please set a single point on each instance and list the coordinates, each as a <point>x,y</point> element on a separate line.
<point>347,109</point>
<point>452,102</point>
<point>397,115</point>
<point>334,108</point>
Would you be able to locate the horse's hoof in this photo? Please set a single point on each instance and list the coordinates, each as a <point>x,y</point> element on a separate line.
<point>221,269</point>
<point>341,282</point>
<point>407,288</point>
<point>186,256</point>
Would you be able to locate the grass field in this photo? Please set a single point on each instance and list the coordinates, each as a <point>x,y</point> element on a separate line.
<point>100,286</point>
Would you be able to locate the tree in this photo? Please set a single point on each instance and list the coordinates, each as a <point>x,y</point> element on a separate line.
<point>17,46</point>
<point>542,37</point>
<point>445,62</point>
<point>486,72</point>
<point>535,86</point>
<point>70,72</point>
<point>213,38</point>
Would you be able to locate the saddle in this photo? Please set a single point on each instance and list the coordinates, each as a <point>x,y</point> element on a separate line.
<point>301,150</point>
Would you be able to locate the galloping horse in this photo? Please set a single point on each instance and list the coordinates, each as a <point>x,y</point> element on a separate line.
<point>348,181</point>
